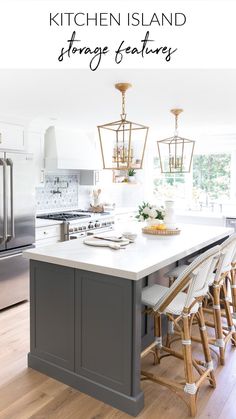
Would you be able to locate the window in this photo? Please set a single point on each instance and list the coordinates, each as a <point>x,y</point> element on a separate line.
<point>207,184</point>
<point>211,177</point>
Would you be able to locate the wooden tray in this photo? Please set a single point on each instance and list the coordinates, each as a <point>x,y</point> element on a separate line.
<point>167,232</point>
<point>98,208</point>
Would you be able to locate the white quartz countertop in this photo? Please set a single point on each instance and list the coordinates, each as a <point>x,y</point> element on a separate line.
<point>40,222</point>
<point>148,254</point>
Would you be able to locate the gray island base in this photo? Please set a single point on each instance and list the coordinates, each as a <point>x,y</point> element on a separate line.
<point>86,332</point>
<point>86,327</point>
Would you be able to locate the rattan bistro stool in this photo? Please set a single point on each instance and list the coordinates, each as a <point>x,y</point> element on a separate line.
<point>221,301</point>
<point>173,274</point>
<point>181,308</point>
<point>232,279</point>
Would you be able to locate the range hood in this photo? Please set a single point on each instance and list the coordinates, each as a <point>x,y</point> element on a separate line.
<point>71,150</point>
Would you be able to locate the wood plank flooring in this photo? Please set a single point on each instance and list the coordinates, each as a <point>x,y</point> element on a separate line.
<point>25,393</point>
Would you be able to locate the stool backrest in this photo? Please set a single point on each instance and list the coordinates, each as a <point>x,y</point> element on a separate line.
<point>228,250</point>
<point>196,276</point>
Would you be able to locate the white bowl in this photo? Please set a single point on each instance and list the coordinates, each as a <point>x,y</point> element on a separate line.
<point>130,236</point>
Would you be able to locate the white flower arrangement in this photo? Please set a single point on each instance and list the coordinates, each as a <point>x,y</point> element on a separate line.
<point>147,211</point>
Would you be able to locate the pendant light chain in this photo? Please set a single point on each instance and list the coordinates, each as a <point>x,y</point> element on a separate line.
<point>176,124</point>
<point>123,114</point>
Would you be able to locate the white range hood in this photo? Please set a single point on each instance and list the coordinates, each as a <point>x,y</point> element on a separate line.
<point>71,150</point>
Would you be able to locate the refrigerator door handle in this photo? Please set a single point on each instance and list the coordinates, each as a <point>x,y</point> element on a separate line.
<point>3,163</point>
<point>10,164</point>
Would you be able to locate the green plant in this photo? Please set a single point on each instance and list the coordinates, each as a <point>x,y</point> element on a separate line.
<point>211,175</point>
<point>147,211</point>
<point>131,172</point>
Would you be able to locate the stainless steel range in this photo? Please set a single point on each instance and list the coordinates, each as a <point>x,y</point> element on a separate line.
<point>79,223</point>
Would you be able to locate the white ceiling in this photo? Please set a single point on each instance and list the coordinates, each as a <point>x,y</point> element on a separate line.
<point>83,99</point>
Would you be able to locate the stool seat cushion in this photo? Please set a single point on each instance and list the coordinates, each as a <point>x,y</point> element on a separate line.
<point>151,295</point>
<point>175,272</point>
<point>191,259</point>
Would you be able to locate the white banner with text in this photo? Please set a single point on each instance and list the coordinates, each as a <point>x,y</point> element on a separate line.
<point>117,34</point>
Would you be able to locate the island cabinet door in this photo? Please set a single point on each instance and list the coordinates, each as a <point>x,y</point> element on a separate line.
<point>104,330</point>
<point>52,313</point>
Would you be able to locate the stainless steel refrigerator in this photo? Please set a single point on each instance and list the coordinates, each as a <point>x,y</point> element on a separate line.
<point>17,225</point>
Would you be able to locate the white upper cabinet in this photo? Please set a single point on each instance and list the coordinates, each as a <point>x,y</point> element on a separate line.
<point>12,137</point>
<point>35,145</point>
<point>67,149</point>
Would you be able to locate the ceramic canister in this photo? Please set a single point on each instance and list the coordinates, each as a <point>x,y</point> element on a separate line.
<point>169,219</point>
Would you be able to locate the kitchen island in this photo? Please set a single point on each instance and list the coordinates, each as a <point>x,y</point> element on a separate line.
<point>85,310</point>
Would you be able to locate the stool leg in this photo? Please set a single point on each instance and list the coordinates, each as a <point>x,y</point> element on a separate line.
<point>205,345</point>
<point>170,331</point>
<point>233,290</point>
<point>228,314</point>
<point>158,338</point>
<point>218,325</point>
<point>190,386</point>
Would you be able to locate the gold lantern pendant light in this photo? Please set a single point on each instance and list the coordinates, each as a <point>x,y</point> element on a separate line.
<point>122,142</point>
<point>176,153</point>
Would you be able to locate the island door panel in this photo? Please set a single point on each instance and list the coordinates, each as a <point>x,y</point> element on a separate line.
<point>52,313</point>
<point>104,329</point>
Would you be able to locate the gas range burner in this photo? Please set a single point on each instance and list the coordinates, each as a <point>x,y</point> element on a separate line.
<point>64,216</point>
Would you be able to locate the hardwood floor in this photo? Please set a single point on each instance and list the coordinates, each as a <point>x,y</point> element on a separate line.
<point>25,393</point>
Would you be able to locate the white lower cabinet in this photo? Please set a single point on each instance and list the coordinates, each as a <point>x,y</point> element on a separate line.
<point>48,235</point>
